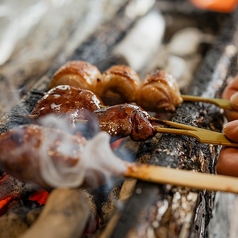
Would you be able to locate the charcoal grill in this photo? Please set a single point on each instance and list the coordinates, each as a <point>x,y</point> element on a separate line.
<point>155,210</point>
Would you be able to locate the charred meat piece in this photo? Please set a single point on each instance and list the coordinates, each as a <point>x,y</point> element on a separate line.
<point>125,120</point>
<point>158,92</point>
<point>119,84</point>
<point>66,100</point>
<point>77,73</point>
<point>23,147</point>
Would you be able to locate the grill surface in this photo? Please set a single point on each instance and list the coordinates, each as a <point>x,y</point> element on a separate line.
<point>161,210</point>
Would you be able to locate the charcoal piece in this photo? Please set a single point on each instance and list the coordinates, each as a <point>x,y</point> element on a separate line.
<point>64,206</point>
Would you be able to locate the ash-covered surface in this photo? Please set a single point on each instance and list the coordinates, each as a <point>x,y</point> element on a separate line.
<point>164,211</point>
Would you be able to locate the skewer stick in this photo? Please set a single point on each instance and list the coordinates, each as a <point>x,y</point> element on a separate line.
<point>222,103</point>
<point>190,179</point>
<point>203,135</point>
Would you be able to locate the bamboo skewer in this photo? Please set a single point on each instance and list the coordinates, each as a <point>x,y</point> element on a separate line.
<point>190,179</point>
<point>222,103</point>
<point>203,135</point>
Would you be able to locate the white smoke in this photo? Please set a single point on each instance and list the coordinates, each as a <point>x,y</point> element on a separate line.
<point>96,158</point>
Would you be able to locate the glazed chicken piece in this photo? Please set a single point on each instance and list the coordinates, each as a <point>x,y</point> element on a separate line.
<point>65,100</point>
<point>119,84</point>
<point>158,92</point>
<point>124,120</point>
<point>22,147</point>
<point>77,73</point>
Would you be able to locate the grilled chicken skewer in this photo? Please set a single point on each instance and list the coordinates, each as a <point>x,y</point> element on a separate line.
<point>77,105</point>
<point>23,147</point>
<point>119,120</point>
<point>53,158</point>
<point>27,152</point>
<point>130,120</point>
<point>72,104</point>
<point>121,84</point>
<point>157,92</point>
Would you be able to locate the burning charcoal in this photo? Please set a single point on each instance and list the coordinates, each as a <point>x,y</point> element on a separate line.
<point>13,222</point>
<point>32,215</point>
<point>64,206</point>
<point>10,186</point>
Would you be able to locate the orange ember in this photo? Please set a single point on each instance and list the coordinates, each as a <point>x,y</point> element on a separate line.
<point>4,204</point>
<point>39,196</point>
<point>216,5</point>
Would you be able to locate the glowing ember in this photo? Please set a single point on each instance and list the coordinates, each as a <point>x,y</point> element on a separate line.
<point>39,196</point>
<point>4,204</point>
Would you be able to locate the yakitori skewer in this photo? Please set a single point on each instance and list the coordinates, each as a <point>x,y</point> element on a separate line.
<point>119,120</point>
<point>191,179</point>
<point>50,164</point>
<point>158,91</point>
<point>222,103</point>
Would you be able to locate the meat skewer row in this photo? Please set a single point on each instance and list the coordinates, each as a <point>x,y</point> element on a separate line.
<point>119,120</point>
<point>158,92</point>
<point>27,153</point>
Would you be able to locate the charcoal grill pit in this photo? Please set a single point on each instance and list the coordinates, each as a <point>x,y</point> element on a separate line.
<point>155,210</point>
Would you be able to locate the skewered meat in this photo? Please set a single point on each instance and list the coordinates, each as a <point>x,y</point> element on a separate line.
<point>125,120</point>
<point>79,74</point>
<point>119,120</point>
<point>22,147</point>
<point>66,100</point>
<point>119,84</point>
<point>53,158</point>
<point>159,92</point>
